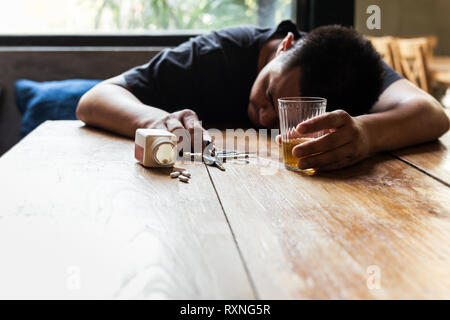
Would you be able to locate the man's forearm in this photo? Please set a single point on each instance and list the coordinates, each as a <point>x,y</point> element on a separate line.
<point>114,108</point>
<point>412,122</point>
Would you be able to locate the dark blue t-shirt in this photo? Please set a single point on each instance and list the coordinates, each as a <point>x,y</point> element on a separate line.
<point>211,74</point>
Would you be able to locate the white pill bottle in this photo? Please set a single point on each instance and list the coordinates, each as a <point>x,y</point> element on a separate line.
<point>155,147</point>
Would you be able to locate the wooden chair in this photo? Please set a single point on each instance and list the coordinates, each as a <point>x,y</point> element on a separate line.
<point>414,56</point>
<point>386,47</point>
<point>432,43</point>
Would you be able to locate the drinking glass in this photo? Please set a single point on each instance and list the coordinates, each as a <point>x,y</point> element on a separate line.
<point>292,112</point>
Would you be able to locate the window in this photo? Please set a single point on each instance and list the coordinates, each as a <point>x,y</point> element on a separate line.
<point>32,17</point>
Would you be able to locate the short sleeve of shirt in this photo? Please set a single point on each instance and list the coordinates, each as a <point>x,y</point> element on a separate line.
<point>390,76</point>
<point>167,79</point>
<point>208,73</point>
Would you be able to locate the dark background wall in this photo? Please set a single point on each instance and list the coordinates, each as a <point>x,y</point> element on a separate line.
<point>409,18</point>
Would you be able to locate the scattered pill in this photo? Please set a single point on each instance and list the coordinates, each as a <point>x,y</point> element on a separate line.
<point>175,174</point>
<point>186,173</point>
<point>183,178</point>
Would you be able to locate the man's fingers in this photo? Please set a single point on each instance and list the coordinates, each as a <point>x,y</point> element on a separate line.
<point>292,134</point>
<point>341,154</point>
<point>194,126</point>
<point>173,124</point>
<point>322,144</point>
<point>332,120</point>
<point>190,120</point>
<point>160,125</point>
<point>278,139</point>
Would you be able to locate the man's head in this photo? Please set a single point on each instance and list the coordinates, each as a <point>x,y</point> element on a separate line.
<point>331,62</point>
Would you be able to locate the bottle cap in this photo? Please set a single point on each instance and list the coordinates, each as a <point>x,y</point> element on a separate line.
<point>163,151</point>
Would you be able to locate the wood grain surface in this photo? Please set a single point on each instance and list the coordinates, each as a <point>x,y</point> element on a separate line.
<point>440,64</point>
<point>440,67</point>
<point>80,218</point>
<point>326,236</point>
<point>433,158</point>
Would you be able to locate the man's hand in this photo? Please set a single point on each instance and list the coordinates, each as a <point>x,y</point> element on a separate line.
<point>183,119</point>
<point>345,143</point>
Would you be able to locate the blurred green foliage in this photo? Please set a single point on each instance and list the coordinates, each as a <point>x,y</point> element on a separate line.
<point>148,15</point>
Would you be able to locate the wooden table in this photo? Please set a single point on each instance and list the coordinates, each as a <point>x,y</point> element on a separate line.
<point>440,63</point>
<point>440,67</point>
<point>79,218</point>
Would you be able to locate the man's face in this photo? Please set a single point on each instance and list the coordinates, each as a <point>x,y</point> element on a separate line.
<point>271,84</point>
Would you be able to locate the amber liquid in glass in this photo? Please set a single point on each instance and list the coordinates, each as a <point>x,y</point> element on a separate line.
<point>290,161</point>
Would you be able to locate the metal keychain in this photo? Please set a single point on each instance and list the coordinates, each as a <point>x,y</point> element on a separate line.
<point>210,158</point>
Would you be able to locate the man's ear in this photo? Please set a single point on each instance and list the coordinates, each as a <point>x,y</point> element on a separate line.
<point>285,44</point>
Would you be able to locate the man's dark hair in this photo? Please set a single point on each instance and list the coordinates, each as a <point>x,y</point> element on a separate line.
<point>338,64</point>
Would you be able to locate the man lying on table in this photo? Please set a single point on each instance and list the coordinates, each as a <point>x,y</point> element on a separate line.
<point>237,74</point>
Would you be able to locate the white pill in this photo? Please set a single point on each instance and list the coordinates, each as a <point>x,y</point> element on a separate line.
<point>175,174</point>
<point>186,173</point>
<point>183,178</point>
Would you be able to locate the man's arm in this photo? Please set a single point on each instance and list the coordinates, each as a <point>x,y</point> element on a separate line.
<point>403,116</point>
<point>110,106</point>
